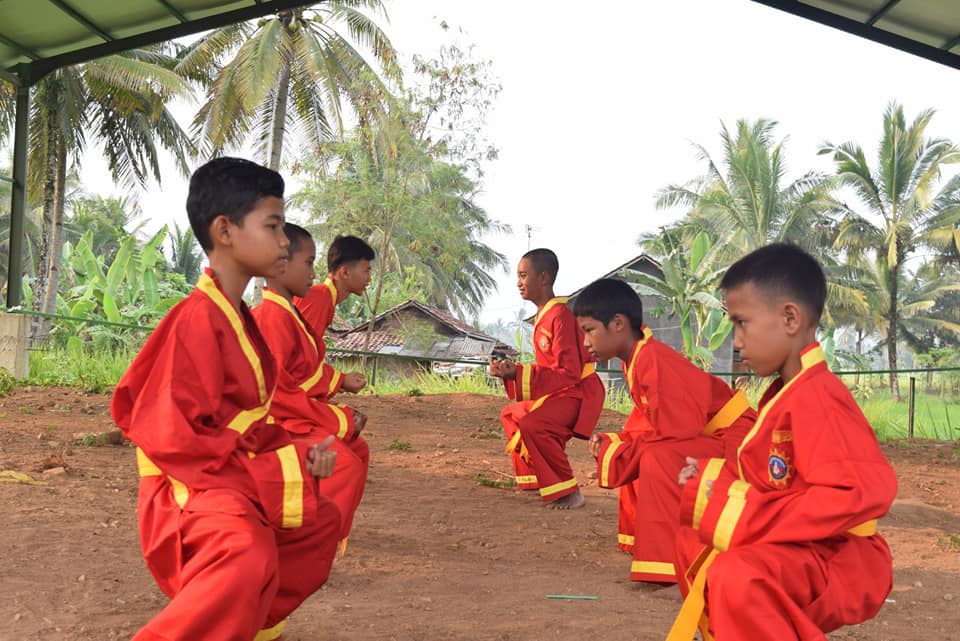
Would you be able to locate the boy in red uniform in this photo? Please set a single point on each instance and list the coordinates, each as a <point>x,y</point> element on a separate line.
<point>300,402</point>
<point>558,397</point>
<point>783,543</point>
<point>678,410</point>
<point>231,524</point>
<point>349,261</point>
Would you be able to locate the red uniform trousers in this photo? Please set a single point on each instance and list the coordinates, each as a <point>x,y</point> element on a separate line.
<point>229,575</point>
<point>794,591</point>
<point>627,497</point>
<point>545,432</point>
<point>655,496</point>
<point>345,486</point>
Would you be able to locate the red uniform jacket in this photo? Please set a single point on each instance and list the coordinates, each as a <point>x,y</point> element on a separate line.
<point>563,367</point>
<point>810,469</point>
<point>195,401</point>
<point>673,400</point>
<point>317,309</point>
<point>305,382</point>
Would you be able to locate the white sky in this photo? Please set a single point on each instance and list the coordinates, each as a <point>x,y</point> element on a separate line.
<point>599,108</point>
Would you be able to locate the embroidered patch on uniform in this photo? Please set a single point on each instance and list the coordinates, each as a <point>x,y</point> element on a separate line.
<point>544,342</point>
<point>779,467</point>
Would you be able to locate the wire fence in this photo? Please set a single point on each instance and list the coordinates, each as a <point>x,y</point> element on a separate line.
<point>94,353</point>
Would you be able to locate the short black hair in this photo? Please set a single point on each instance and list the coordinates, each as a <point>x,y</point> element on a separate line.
<point>230,187</point>
<point>296,235</point>
<point>605,298</point>
<point>544,260</point>
<point>348,249</point>
<point>781,269</point>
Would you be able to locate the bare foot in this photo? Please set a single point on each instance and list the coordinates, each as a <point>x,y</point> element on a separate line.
<point>569,502</point>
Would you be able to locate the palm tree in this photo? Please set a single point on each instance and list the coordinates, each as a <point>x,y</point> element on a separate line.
<point>288,69</point>
<point>185,254</point>
<point>904,208</point>
<point>119,100</point>
<point>744,204</point>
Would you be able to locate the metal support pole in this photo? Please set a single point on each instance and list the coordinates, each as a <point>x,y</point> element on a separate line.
<point>910,406</point>
<point>18,206</point>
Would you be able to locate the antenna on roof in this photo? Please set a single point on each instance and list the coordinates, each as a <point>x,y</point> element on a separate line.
<point>529,230</point>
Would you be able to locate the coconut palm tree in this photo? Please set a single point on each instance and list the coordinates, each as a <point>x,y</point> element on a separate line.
<point>185,255</point>
<point>743,201</point>
<point>290,69</point>
<point>902,206</point>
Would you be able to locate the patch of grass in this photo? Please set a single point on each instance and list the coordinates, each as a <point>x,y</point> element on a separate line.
<point>490,433</point>
<point>23,409</point>
<point>94,371</point>
<point>951,542</point>
<point>400,446</point>
<point>934,417</point>
<point>414,391</point>
<point>481,479</point>
<point>7,382</point>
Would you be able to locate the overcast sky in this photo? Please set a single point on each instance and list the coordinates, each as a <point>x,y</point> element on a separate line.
<point>601,101</point>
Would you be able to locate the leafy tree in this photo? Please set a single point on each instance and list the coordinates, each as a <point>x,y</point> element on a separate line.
<point>903,208</point>
<point>186,256</point>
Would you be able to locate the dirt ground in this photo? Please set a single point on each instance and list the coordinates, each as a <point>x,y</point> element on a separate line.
<point>434,555</point>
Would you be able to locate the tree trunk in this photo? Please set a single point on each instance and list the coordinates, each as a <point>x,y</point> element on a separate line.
<point>56,240</point>
<point>859,354</point>
<point>46,231</point>
<point>892,332</point>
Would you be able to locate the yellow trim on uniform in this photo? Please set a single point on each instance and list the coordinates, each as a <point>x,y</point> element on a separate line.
<point>314,378</point>
<point>525,374</point>
<point>344,424</point>
<point>547,306</point>
<point>625,539</point>
<point>328,281</point>
<point>145,466</point>
<point>242,421</point>
<point>807,360</point>
<point>558,487</point>
<point>285,304</point>
<point>653,567</point>
<point>292,487</point>
<point>867,528</point>
<point>180,491</point>
<point>512,442</point>
<point>269,634</point>
<point>647,335</point>
<point>736,502</point>
<point>615,443</point>
<point>334,381</point>
<point>525,478</point>
<point>731,411</point>
<point>692,610</point>
<point>207,285</point>
<point>711,473</point>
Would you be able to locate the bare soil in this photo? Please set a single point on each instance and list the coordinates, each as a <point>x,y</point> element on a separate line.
<point>434,555</point>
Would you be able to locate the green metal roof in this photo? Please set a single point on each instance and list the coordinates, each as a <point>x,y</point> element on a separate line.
<point>38,36</point>
<point>926,28</point>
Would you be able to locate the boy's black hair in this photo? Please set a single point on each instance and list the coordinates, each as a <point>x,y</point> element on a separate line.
<point>296,235</point>
<point>348,249</point>
<point>230,187</point>
<point>544,260</point>
<point>605,298</point>
<point>781,270</point>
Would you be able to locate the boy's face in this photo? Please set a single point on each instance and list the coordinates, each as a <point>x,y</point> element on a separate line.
<point>532,284</point>
<point>299,274</point>
<point>760,328</point>
<point>355,276</point>
<point>602,341</point>
<point>258,243</point>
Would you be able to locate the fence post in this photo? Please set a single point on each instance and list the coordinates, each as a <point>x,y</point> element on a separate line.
<point>910,406</point>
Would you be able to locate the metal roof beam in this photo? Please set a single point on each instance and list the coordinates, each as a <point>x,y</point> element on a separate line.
<point>172,10</point>
<point>857,28</point>
<point>33,55</point>
<point>30,73</point>
<point>951,43</point>
<point>884,10</point>
<point>82,19</point>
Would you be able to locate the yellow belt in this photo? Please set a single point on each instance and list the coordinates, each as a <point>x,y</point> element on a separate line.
<point>692,612</point>
<point>731,411</point>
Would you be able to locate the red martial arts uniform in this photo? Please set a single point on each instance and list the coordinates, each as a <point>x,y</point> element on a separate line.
<point>679,411</point>
<point>558,397</point>
<point>231,525</point>
<point>301,401</point>
<point>784,545</point>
